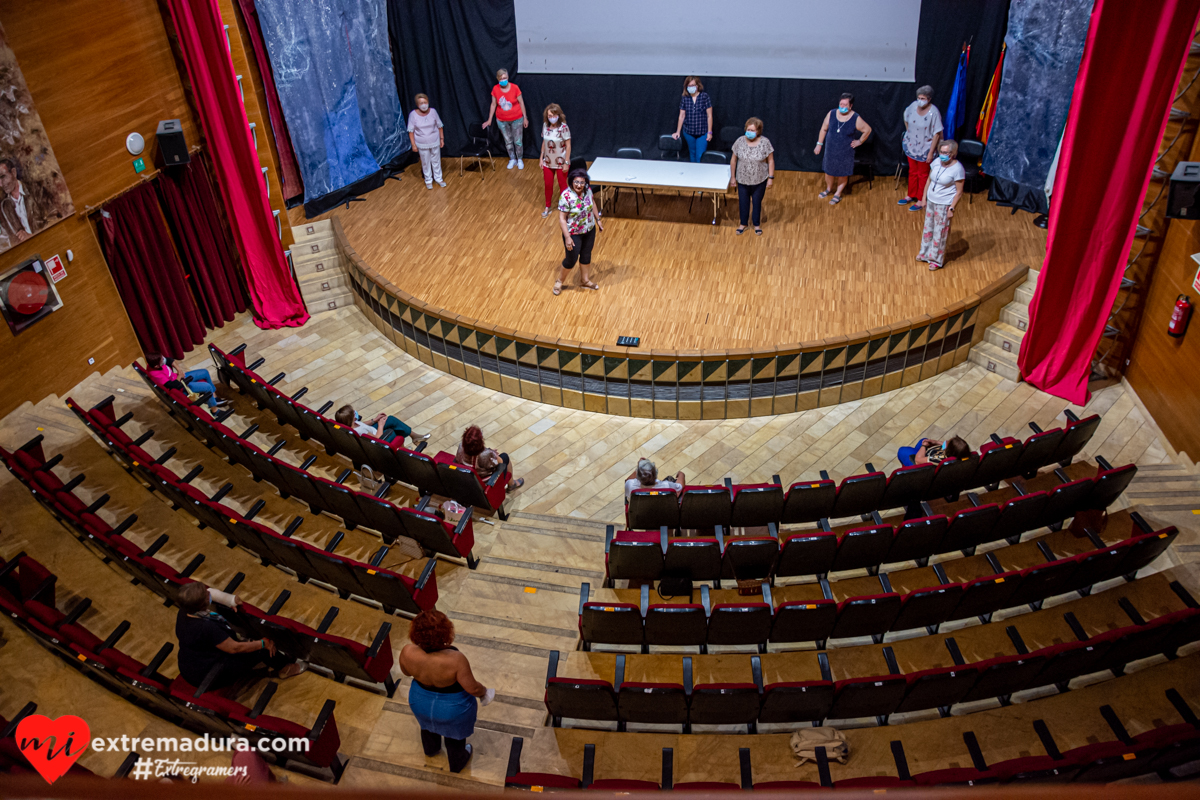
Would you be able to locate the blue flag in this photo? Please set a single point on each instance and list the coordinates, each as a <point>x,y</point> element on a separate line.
<point>956,112</point>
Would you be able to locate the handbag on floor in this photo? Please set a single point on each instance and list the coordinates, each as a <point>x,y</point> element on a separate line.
<point>370,481</point>
<point>806,741</point>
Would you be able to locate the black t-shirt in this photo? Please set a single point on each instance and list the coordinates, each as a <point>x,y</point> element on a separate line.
<point>198,640</point>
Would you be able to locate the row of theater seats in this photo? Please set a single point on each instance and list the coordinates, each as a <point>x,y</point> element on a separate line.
<point>752,505</point>
<point>27,596</point>
<point>650,555</point>
<point>879,696</point>
<point>392,590</point>
<point>329,653</point>
<point>13,761</point>
<point>439,476</point>
<point>354,508</point>
<point>817,619</point>
<point>1110,755</point>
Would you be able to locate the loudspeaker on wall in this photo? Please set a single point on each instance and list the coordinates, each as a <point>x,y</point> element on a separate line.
<point>172,147</point>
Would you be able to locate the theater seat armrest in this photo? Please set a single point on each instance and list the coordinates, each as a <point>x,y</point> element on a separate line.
<point>514,757</point>
<point>276,379</point>
<point>1103,462</point>
<point>76,612</point>
<point>127,766</point>
<point>267,693</point>
<point>465,521</point>
<point>335,541</point>
<point>291,528</point>
<point>42,589</point>
<point>330,616</point>
<point>996,438</point>
<point>420,448</point>
<point>1070,415</point>
<point>193,565</point>
<point>299,394</point>
<point>115,636</point>
<point>608,537</point>
<point>158,660</point>
<point>322,718</point>
<point>495,477</point>
<point>383,489</point>
<point>97,504</point>
<point>381,636</point>
<point>425,574</point>
<point>328,405</point>
<point>1034,427</point>
<point>209,678</point>
<point>585,589</point>
<point>378,557</point>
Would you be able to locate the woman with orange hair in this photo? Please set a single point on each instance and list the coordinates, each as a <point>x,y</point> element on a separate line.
<point>443,691</point>
<point>483,459</point>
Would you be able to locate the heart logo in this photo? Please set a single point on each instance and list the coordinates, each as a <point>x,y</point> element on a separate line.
<point>52,745</point>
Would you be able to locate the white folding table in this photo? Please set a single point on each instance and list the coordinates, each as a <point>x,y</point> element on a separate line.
<point>637,173</point>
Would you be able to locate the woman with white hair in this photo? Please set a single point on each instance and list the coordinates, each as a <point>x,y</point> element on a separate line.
<point>942,193</point>
<point>646,477</point>
<point>922,133</point>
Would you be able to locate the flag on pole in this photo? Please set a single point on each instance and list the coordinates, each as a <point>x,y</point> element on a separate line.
<point>956,112</point>
<point>987,114</point>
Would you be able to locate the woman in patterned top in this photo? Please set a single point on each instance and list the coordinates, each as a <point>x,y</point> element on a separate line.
<point>753,170</point>
<point>579,220</point>
<point>556,151</point>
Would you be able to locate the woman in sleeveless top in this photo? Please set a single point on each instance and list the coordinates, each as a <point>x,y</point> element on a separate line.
<point>483,459</point>
<point>443,691</point>
<point>838,139</point>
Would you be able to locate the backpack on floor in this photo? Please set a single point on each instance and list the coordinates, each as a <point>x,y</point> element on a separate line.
<point>806,741</point>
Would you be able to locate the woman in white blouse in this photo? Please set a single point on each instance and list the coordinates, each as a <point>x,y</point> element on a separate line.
<point>942,193</point>
<point>556,151</point>
<point>922,133</point>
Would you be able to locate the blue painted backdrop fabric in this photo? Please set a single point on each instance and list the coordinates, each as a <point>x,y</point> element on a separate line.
<point>383,119</point>
<point>1045,44</point>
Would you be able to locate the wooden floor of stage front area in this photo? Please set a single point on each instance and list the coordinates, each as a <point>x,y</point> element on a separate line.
<point>482,249</point>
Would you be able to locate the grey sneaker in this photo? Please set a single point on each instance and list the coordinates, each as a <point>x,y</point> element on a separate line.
<point>442,184</point>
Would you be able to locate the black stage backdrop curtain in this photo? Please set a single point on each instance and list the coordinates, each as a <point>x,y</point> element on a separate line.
<point>451,49</point>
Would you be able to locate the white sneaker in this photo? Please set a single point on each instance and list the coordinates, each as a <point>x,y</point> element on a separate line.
<point>521,164</point>
<point>512,162</point>
<point>429,186</point>
<point>442,184</point>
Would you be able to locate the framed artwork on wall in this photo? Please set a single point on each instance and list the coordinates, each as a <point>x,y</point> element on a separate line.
<point>27,294</point>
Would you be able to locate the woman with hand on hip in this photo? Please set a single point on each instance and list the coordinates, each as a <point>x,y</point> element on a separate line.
<point>579,220</point>
<point>922,132</point>
<point>695,118</point>
<point>942,193</point>
<point>508,106</point>
<point>556,151</point>
<point>838,139</point>
<point>426,136</point>
<point>752,168</point>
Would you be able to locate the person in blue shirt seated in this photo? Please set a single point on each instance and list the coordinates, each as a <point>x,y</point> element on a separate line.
<point>929,451</point>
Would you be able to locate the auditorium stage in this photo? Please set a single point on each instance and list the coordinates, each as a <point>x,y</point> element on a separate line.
<point>481,248</point>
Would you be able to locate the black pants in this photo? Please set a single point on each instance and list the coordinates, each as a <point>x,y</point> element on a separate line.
<point>456,749</point>
<point>748,194</point>
<point>582,249</point>
<point>251,666</point>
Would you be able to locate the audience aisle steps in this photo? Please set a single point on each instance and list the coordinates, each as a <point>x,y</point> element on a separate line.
<point>1001,343</point>
<point>1171,492</point>
<point>318,266</point>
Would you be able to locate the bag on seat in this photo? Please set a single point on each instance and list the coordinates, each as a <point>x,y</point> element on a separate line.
<point>806,741</point>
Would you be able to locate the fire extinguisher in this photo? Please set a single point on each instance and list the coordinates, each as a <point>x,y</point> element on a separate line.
<point>1179,317</point>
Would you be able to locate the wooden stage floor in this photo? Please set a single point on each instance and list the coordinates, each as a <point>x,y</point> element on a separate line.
<point>481,248</point>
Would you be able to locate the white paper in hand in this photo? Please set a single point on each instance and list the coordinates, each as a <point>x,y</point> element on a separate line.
<point>488,697</point>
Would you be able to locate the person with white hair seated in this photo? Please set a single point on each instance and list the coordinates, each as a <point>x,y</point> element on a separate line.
<point>646,477</point>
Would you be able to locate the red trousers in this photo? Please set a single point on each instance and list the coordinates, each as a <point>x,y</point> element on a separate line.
<point>918,174</point>
<point>548,177</point>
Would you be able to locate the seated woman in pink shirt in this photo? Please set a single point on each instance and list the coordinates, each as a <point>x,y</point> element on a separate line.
<point>197,381</point>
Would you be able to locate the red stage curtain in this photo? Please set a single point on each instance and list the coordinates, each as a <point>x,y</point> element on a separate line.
<point>149,278</point>
<point>293,185</point>
<point>1131,66</point>
<point>191,210</point>
<point>277,301</point>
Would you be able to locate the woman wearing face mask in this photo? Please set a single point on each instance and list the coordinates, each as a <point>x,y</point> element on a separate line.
<point>508,106</point>
<point>556,151</point>
<point>838,138</point>
<point>425,134</point>
<point>942,192</point>
<point>922,132</point>
<point>695,118</point>
<point>579,221</point>
<point>752,168</point>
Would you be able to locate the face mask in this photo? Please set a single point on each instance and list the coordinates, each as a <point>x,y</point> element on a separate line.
<point>922,103</point>
<point>424,106</point>
<point>844,109</point>
<point>691,90</point>
<point>504,83</point>
<point>750,134</point>
<point>357,416</point>
<point>945,159</point>
<point>554,120</point>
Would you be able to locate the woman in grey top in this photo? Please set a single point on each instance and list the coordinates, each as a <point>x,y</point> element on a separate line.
<point>646,477</point>
<point>922,133</point>
<point>752,168</point>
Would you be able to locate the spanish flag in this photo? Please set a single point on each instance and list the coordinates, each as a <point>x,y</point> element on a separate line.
<point>987,114</point>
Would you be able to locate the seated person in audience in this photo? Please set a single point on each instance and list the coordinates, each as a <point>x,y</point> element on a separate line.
<point>198,381</point>
<point>381,426</point>
<point>483,459</point>
<point>646,477</point>
<point>206,639</point>
<point>928,451</point>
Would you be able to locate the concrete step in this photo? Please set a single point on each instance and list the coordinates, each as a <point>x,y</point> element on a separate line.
<point>323,282</point>
<point>313,249</point>
<point>313,229</point>
<point>329,302</point>
<point>1024,294</point>
<point>993,359</point>
<point>1016,315</point>
<point>1006,337</point>
<point>330,262</point>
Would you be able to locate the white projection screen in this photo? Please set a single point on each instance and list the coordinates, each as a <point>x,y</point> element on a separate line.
<point>874,40</point>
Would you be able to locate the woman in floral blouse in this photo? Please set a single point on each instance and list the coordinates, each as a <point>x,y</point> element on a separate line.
<point>556,151</point>
<point>579,220</point>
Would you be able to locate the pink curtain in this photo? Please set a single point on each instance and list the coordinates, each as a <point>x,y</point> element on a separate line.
<point>276,298</point>
<point>1131,66</point>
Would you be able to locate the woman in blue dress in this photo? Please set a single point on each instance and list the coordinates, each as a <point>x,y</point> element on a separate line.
<point>838,139</point>
<point>443,691</point>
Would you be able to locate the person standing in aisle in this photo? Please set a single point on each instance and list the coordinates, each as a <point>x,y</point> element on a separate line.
<point>922,132</point>
<point>752,168</point>
<point>942,194</point>
<point>838,139</point>
<point>508,107</point>
<point>556,151</point>
<point>425,133</point>
<point>695,118</point>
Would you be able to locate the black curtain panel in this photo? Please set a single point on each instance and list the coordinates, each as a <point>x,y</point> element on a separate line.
<point>451,49</point>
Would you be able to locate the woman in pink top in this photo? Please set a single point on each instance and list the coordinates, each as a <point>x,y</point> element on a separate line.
<point>197,381</point>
